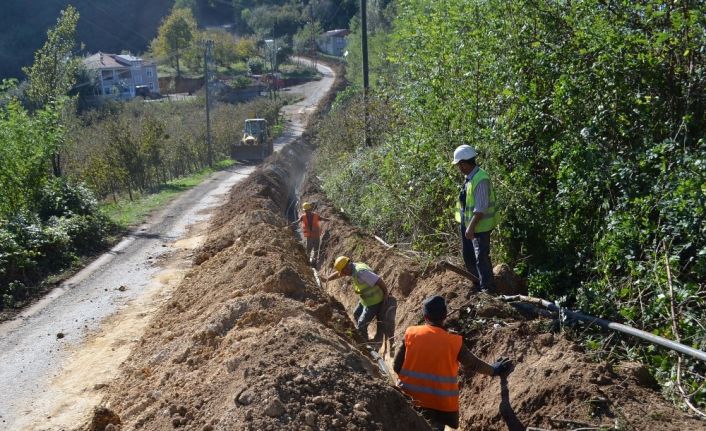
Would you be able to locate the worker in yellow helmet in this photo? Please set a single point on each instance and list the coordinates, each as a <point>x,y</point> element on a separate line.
<point>311,228</point>
<point>369,286</point>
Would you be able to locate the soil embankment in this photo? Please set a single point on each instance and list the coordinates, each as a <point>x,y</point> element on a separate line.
<point>249,341</point>
<point>555,385</point>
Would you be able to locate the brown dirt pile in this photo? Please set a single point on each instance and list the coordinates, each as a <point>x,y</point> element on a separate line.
<point>554,386</point>
<point>248,341</point>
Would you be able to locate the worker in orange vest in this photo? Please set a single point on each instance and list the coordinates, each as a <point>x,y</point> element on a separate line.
<point>311,228</point>
<point>427,365</point>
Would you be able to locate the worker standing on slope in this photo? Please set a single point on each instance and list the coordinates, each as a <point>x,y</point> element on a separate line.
<point>427,365</point>
<point>311,227</point>
<point>369,286</point>
<point>476,213</point>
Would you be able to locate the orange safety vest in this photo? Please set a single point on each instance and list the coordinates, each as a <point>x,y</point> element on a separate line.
<point>313,231</point>
<point>430,370</point>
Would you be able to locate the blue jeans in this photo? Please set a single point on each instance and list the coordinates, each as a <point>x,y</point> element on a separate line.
<point>476,257</point>
<point>363,316</point>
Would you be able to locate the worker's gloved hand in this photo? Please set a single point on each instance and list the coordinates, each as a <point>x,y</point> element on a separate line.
<point>502,366</point>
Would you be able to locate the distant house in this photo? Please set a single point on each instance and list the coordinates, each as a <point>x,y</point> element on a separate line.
<point>333,42</point>
<point>122,76</point>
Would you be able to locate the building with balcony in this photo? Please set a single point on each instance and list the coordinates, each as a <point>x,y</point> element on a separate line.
<point>122,76</point>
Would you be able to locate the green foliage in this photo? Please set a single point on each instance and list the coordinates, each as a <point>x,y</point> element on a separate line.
<point>589,117</point>
<point>33,245</point>
<point>24,25</point>
<point>256,65</point>
<point>175,35</point>
<point>27,143</point>
<point>304,41</point>
<point>260,15</point>
<point>138,147</point>
<point>272,20</point>
<point>381,70</point>
<point>54,70</point>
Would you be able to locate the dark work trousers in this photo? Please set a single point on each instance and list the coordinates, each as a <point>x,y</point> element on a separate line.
<point>364,315</point>
<point>476,257</point>
<point>438,419</point>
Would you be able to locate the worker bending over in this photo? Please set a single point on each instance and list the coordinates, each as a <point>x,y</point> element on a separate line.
<point>369,286</point>
<point>311,227</point>
<point>427,365</point>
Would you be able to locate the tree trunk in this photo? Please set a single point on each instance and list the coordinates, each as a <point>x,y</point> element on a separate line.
<point>177,65</point>
<point>56,164</point>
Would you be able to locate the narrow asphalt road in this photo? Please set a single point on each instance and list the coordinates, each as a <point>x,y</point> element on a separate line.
<point>56,356</point>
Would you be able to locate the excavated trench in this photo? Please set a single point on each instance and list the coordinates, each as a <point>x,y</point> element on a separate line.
<point>249,341</point>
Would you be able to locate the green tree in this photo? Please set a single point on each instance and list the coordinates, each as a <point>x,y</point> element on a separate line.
<point>175,35</point>
<point>192,5</point>
<point>53,73</point>
<point>304,41</point>
<point>27,143</point>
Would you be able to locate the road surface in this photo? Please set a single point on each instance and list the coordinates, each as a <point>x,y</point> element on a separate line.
<point>57,356</point>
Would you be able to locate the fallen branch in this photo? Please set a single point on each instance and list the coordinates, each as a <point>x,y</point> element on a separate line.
<point>460,271</point>
<point>382,241</point>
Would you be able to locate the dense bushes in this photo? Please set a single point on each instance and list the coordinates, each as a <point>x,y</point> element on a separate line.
<point>50,236</point>
<point>589,117</point>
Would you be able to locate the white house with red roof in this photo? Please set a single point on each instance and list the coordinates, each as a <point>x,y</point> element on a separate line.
<point>122,75</point>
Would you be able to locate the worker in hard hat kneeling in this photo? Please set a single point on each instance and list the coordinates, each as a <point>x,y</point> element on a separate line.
<point>311,228</point>
<point>369,286</point>
<point>427,365</point>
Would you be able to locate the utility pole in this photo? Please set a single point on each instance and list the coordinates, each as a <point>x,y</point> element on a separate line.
<point>366,83</point>
<point>207,79</point>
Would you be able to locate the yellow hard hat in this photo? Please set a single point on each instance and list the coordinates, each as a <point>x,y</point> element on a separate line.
<point>340,263</point>
<point>306,206</point>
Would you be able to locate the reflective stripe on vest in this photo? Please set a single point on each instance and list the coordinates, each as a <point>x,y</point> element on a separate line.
<point>313,231</point>
<point>430,370</point>
<point>369,295</point>
<point>489,219</point>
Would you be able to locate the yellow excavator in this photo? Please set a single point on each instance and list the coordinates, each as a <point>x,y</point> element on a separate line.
<point>256,143</point>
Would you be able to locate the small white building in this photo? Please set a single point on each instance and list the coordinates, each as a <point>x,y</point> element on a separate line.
<point>122,76</point>
<point>333,42</point>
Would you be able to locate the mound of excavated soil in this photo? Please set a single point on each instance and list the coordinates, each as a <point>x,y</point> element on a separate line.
<point>249,341</point>
<point>554,384</point>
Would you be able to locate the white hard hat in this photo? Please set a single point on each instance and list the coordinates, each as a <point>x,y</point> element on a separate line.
<point>464,152</point>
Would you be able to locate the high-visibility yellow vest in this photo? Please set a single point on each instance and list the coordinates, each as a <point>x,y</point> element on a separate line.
<point>369,295</point>
<point>490,219</point>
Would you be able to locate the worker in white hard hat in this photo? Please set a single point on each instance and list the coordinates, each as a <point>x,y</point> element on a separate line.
<point>476,214</point>
<point>311,228</point>
<point>370,287</point>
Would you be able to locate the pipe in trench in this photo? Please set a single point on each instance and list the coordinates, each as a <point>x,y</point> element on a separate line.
<point>607,324</point>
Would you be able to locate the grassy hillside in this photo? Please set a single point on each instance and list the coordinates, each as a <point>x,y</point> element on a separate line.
<point>105,25</point>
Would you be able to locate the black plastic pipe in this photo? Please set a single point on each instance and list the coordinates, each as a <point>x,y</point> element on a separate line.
<point>607,324</point>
